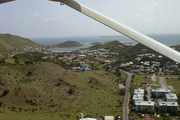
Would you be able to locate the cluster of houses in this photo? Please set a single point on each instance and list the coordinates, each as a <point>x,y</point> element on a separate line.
<point>147,66</point>
<point>168,103</point>
<point>82,65</point>
<point>142,66</point>
<point>101,53</point>
<point>32,48</point>
<point>98,53</point>
<point>149,55</point>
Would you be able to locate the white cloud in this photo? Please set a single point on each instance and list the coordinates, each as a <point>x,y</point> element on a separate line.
<point>36,14</point>
<point>155,4</point>
<point>53,19</point>
<point>145,8</point>
<point>150,6</point>
<point>148,19</point>
<point>137,15</point>
<point>1,18</point>
<point>39,19</point>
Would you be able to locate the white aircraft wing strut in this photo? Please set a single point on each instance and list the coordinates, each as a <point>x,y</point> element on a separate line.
<point>137,36</point>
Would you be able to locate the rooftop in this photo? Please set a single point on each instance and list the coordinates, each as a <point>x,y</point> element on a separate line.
<point>87,119</point>
<point>139,90</point>
<point>162,90</point>
<point>168,103</point>
<point>137,97</point>
<point>147,103</point>
<point>171,96</point>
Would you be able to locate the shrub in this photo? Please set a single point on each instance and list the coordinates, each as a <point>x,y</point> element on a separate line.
<point>1,103</point>
<point>58,84</point>
<point>71,91</point>
<point>5,92</point>
<point>20,109</point>
<point>29,73</point>
<point>13,108</point>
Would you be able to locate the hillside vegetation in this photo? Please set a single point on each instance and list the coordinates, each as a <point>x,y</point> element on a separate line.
<point>30,87</point>
<point>8,43</point>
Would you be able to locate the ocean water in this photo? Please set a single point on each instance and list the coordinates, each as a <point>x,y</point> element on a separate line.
<point>167,39</point>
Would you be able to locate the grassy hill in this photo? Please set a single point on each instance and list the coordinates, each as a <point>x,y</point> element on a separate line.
<point>68,44</point>
<point>48,91</point>
<point>9,43</point>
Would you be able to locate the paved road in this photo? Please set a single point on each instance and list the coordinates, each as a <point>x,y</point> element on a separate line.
<point>127,96</point>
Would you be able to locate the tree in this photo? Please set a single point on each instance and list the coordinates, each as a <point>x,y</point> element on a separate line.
<point>119,74</point>
<point>71,91</point>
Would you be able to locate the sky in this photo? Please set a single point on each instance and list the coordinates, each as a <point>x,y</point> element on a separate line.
<point>43,18</point>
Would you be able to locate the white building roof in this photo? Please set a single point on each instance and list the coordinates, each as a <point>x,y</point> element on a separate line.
<point>87,119</point>
<point>137,97</point>
<point>109,117</point>
<point>147,103</point>
<point>168,103</point>
<point>171,96</point>
<point>139,90</point>
<point>162,90</point>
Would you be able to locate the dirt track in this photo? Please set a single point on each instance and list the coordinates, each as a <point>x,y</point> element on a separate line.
<point>162,81</point>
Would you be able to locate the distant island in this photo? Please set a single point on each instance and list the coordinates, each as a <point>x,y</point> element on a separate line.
<point>68,44</point>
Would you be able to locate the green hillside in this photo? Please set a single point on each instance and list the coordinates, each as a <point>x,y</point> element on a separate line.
<point>9,43</point>
<point>30,87</point>
<point>68,44</point>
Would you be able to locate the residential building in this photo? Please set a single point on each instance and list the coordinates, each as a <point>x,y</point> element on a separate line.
<point>137,97</point>
<point>167,106</point>
<point>102,50</point>
<point>120,46</point>
<point>144,105</point>
<point>114,53</point>
<point>139,91</point>
<point>171,97</point>
<point>101,55</point>
<point>161,93</point>
<point>83,51</point>
<point>107,61</point>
